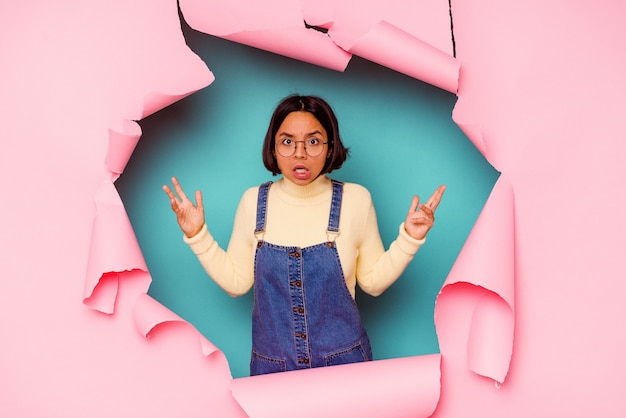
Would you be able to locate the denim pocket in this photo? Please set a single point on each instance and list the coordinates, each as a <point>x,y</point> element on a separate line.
<point>354,354</point>
<point>260,364</point>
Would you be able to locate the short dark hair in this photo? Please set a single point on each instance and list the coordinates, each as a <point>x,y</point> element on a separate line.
<point>323,112</point>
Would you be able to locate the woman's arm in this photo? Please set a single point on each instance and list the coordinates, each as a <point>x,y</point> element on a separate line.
<point>232,270</point>
<point>378,269</point>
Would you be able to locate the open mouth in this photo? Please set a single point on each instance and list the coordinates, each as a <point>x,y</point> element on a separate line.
<point>301,172</point>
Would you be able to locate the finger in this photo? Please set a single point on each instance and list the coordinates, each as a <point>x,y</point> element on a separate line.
<point>199,204</point>
<point>435,198</point>
<point>422,222</point>
<point>427,212</point>
<point>169,192</point>
<point>414,204</point>
<point>175,205</point>
<point>425,220</point>
<point>422,217</point>
<point>178,188</point>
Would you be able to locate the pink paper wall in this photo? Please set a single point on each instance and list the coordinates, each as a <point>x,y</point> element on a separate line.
<point>540,94</point>
<point>543,82</point>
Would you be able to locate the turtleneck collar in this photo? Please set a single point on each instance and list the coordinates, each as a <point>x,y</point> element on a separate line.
<point>319,189</point>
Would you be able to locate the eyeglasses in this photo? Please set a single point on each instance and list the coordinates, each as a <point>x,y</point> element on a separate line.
<point>312,146</point>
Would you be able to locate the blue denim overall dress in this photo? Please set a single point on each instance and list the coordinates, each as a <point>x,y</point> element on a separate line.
<point>304,315</point>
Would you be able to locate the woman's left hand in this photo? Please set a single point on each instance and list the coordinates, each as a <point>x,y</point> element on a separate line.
<point>421,218</point>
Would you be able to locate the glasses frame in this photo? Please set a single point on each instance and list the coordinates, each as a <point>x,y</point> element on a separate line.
<point>295,148</point>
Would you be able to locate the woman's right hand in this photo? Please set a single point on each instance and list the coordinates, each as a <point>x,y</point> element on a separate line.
<point>190,217</point>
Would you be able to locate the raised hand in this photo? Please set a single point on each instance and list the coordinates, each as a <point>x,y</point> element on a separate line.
<point>190,217</point>
<point>421,218</point>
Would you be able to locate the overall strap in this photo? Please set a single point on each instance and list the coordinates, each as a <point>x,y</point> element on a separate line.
<point>261,210</point>
<point>335,210</point>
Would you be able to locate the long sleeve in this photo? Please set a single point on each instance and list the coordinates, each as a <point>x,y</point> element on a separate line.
<point>232,270</point>
<point>377,269</point>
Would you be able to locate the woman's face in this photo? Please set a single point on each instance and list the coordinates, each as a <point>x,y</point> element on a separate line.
<point>300,168</point>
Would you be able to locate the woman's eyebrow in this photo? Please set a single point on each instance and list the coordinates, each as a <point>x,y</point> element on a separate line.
<point>318,132</point>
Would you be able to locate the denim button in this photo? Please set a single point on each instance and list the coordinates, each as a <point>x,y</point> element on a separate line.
<point>330,244</point>
<point>259,244</point>
<point>303,360</point>
<point>297,283</point>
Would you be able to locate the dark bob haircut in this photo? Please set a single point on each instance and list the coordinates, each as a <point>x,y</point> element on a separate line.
<point>322,111</point>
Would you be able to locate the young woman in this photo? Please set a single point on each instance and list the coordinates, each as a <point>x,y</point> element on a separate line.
<point>305,242</point>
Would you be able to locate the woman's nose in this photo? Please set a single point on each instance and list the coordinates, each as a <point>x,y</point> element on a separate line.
<point>300,150</point>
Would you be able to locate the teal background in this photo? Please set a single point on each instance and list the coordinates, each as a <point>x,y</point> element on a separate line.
<point>402,142</point>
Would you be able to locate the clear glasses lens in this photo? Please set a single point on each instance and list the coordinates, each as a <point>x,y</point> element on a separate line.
<point>287,147</point>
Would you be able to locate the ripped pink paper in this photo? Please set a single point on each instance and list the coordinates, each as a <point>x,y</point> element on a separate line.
<point>336,31</point>
<point>277,27</point>
<point>402,387</point>
<point>486,263</point>
<point>408,55</point>
<point>541,102</point>
<point>121,146</point>
<point>349,20</point>
<point>114,250</point>
<point>149,314</point>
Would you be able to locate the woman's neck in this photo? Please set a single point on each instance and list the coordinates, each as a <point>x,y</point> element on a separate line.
<point>317,189</point>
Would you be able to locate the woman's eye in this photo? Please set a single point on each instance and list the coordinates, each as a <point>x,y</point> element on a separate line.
<point>313,141</point>
<point>287,141</point>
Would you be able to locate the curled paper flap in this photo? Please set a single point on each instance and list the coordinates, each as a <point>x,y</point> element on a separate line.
<point>394,48</point>
<point>490,344</point>
<point>121,146</point>
<point>402,387</point>
<point>150,315</point>
<point>488,257</point>
<point>484,273</point>
<point>139,106</point>
<point>276,27</point>
<point>283,31</point>
<point>148,65</point>
<point>157,100</point>
<point>113,250</point>
<point>303,44</point>
<point>473,132</point>
<point>349,20</point>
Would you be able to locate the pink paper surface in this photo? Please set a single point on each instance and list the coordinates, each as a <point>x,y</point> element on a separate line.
<point>113,250</point>
<point>276,26</point>
<point>150,314</point>
<point>487,263</point>
<point>388,34</point>
<point>350,20</point>
<point>388,45</point>
<point>121,146</point>
<point>542,102</point>
<point>402,387</point>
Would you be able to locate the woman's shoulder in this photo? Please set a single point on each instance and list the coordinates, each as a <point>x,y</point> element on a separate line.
<point>250,196</point>
<point>356,192</point>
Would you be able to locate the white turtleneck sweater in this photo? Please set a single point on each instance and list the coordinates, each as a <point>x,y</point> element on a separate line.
<point>298,216</point>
